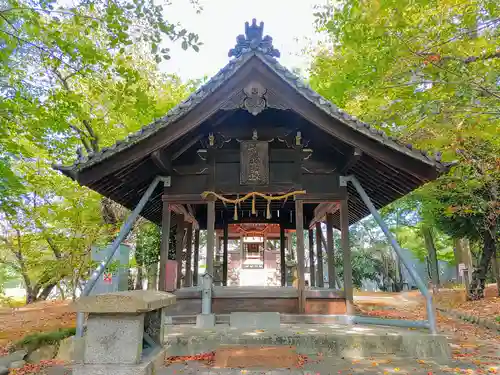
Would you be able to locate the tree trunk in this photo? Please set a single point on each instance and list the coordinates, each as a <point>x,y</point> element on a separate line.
<point>44,294</point>
<point>139,277</point>
<point>60,289</point>
<point>152,276</point>
<point>495,268</point>
<point>477,285</point>
<point>30,295</point>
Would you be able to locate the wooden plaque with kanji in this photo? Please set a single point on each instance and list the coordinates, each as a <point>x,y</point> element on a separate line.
<point>254,163</point>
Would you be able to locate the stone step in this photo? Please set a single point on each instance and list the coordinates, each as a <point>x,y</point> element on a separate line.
<point>191,319</point>
<point>387,365</point>
<point>334,340</point>
<point>284,319</point>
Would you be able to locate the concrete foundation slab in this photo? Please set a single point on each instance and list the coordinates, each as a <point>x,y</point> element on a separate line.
<point>205,320</point>
<point>256,320</point>
<point>330,365</point>
<point>332,339</point>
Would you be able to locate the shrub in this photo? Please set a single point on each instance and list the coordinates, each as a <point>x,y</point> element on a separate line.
<point>36,340</point>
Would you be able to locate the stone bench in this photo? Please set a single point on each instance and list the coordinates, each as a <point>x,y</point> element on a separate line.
<point>125,332</point>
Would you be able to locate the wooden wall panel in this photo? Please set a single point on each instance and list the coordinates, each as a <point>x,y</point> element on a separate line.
<point>281,172</point>
<point>320,183</point>
<point>325,306</point>
<point>229,305</point>
<point>320,306</point>
<point>191,184</point>
<point>227,176</point>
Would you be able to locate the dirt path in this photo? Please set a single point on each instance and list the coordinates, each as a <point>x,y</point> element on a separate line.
<point>39,317</point>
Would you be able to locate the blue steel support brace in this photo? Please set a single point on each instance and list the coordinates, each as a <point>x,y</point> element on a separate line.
<point>420,284</point>
<point>124,231</point>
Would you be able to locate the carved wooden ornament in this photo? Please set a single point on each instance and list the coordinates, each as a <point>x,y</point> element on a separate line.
<point>254,98</point>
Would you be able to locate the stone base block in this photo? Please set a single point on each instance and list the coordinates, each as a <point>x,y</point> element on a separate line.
<point>148,367</point>
<point>258,320</point>
<point>114,339</point>
<point>141,369</point>
<point>205,321</point>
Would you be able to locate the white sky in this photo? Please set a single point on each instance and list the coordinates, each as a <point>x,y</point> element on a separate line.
<point>288,22</point>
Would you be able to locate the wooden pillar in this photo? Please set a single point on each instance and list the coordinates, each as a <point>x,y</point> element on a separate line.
<point>242,249</point>
<point>225,255</point>
<point>346,256</point>
<point>312,278</point>
<point>217,248</point>
<point>210,237</point>
<point>196,258</point>
<point>319,254</point>
<point>188,279</point>
<point>330,251</point>
<point>289,246</point>
<point>164,247</point>
<point>282,255</point>
<point>299,220</point>
<point>179,246</point>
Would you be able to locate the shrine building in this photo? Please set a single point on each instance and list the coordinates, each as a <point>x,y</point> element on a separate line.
<point>255,157</point>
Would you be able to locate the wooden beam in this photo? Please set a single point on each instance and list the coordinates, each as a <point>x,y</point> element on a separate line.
<point>345,133</point>
<point>339,194</point>
<point>198,168</point>
<point>210,237</point>
<point>330,250</point>
<point>282,255</point>
<point>319,255</point>
<point>186,146</point>
<point>353,159</point>
<point>188,279</point>
<point>322,210</point>
<point>196,258</point>
<point>312,271</point>
<point>299,220</point>
<point>180,210</point>
<point>179,239</point>
<point>168,134</point>
<point>323,241</point>
<point>183,198</point>
<point>163,161</point>
<point>225,255</point>
<point>346,256</point>
<point>164,247</point>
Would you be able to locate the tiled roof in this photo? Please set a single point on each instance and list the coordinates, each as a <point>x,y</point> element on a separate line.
<point>245,53</point>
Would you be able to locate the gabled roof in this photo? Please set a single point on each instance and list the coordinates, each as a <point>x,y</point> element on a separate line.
<point>248,47</point>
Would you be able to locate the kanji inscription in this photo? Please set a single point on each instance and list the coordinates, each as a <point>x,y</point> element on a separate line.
<point>254,162</point>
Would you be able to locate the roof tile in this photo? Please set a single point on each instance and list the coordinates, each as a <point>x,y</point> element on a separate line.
<point>222,76</point>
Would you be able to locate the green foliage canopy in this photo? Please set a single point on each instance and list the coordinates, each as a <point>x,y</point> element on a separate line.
<point>426,72</point>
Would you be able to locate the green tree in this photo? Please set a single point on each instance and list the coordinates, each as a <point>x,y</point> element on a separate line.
<point>48,237</point>
<point>427,73</point>
<point>49,49</point>
<point>147,250</point>
<point>51,222</point>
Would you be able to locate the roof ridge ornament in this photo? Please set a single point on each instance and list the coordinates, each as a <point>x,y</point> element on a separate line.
<point>253,40</point>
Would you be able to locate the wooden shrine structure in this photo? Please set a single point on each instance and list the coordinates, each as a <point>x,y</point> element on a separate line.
<point>257,145</point>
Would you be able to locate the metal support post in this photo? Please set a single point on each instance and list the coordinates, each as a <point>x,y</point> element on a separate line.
<point>206,294</point>
<point>110,251</point>
<point>399,251</point>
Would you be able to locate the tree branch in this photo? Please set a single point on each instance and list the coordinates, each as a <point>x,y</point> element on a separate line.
<point>484,89</point>
<point>42,49</point>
